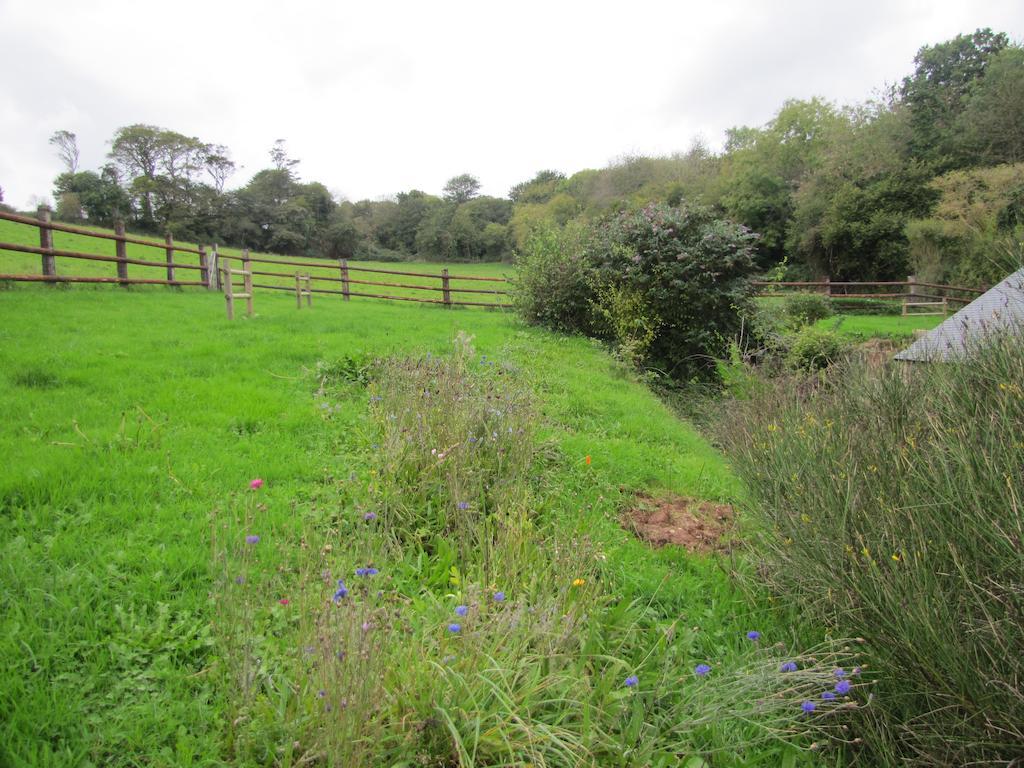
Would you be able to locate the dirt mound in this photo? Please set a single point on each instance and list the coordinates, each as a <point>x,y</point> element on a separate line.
<point>700,526</point>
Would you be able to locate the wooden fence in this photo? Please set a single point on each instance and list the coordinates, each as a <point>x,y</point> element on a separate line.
<point>449,286</point>
<point>911,292</point>
<point>120,259</point>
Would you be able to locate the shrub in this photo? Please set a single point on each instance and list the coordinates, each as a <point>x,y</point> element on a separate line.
<point>552,286</point>
<point>691,270</point>
<point>889,507</point>
<point>812,349</point>
<point>806,308</point>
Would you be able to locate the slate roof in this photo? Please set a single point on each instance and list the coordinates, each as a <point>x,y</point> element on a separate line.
<point>999,309</point>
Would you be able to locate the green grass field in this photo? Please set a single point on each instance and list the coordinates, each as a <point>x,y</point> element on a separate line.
<point>133,421</point>
<point>12,262</point>
<point>864,327</point>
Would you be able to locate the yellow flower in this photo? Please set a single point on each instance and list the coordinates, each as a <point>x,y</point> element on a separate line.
<point>578,582</point>
<point>896,556</point>
<point>772,427</point>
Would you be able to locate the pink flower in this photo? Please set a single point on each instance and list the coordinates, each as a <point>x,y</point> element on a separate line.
<point>256,484</point>
<point>283,601</point>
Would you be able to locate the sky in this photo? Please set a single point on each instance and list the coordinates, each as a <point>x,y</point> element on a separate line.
<point>380,97</point>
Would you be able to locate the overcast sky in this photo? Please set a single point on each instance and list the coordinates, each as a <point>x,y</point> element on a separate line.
<point>380,97</point>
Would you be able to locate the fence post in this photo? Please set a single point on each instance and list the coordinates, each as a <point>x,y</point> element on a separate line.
<point>344,279</point>
<point>46,241</point>
<point>828,286</point>
<point>446,288</point>
<point>247,281</point>
<point>908,298</point>
<point>204,269</point>
<point>215,282</point>
<point>170,257</point>
<point>298,292</point>
<point>121,250</point>
<point>229,298</point>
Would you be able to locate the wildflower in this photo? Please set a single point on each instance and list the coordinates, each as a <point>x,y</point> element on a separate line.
<point>366,571</point>
<point>284,601</point>
<point>341,592</point>
<point>366,626</point>
<point>753,635</point>
<point>256,484</point>
<point>578,582</point>
<point>370,516</point>
<point>789,666</point>
<point>454,628</point>
<point>587,460</point>
<point>461,610</point>
<point>463,505</point>
<point>843,687</point>
<point>499,597</point>
<point>252,539</point>
<point>447,659</point>
<point>631,681</point>
<point>856,671</point>
<point>472,439</point>
<point>840,673</point>
<point>701,670</point>
<point>808,706</point>
<point>828,695</point>
<point>239,579</point>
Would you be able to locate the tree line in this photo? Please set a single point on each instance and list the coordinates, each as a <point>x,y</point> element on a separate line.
<point>926,176</point>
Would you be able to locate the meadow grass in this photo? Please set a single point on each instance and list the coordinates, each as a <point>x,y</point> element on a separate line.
<point>865,327</point>
<point>13,262</point>
<point>133,422</point>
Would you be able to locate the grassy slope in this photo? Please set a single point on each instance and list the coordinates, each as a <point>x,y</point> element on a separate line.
<point>127,415</point>
<point>12,262</point>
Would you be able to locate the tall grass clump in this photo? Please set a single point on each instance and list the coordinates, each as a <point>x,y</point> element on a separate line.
<point>890,504</point>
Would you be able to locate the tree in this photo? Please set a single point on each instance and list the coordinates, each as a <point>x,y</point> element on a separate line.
<point>67,149</point>
<point>937,92</point>
<point>539,189</point>
<point>279,157</point>
<point>461,188</point>
<point>992,123</point>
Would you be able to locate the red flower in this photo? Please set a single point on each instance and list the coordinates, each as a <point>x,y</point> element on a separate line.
<point>283,601</point>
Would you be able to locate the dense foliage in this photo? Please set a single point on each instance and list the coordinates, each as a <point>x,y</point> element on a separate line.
<point>666,285</point>
<point>889,508</point>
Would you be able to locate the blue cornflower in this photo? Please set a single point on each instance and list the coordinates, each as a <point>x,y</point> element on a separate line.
<point>828,695</point>
<point>632,681</point>
<point>843,687</point>
<point>840,673</point>
<point>366,571</point>
<point>808,706</point>
<point>463,505</point>
<point>472,439</point>
<point>789,666</point>
<point>461,610</point>
<point>341,592</point>
<point>370,516</point>
<point>753,635</point>
<point>499,597</point>
<point>252,539</point>
<point>701,670</point>
<point>454,628</point>
<point>239,579</point>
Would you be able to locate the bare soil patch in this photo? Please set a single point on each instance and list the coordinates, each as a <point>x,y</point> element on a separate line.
<point>700,526</point>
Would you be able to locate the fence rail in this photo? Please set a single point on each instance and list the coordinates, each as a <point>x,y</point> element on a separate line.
<point>450,286</point>
<point>907,291</point>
